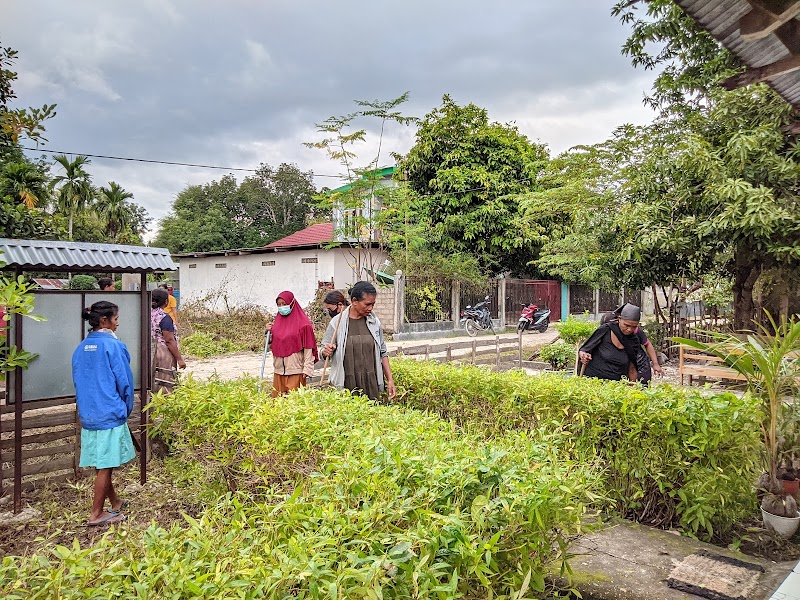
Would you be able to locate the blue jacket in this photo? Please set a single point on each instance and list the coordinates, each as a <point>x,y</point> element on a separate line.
<point>101,372</point>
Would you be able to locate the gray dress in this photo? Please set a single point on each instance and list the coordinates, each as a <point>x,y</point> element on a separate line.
<point>359,360</point>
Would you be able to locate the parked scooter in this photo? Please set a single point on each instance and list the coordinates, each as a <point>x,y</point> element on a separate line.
<point>533,318</point>
<point>477,318</point>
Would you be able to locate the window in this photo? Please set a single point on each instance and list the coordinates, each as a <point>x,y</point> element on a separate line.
<point>308,260</point>
<point>220,265</point>
<point>193,266</point>
<point>267,263</point>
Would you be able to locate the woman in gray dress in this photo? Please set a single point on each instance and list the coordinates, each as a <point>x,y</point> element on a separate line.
<point>355,344</point>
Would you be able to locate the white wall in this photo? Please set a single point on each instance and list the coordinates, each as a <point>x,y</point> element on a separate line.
<point>245,280</point>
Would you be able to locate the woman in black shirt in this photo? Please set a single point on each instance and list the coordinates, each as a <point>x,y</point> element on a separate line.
<point>611,351</point>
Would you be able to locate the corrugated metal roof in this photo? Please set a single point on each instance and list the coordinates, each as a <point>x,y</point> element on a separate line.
<point>51,284</point>
<point>318,234</point>
<point>46,255</point>
<point>721,19</point>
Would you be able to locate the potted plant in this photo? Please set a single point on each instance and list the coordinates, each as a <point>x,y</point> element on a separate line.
<point>770,362</point>
<point>788,448</point>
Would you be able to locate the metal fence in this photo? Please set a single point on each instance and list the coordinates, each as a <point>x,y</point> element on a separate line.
<point>471,295</point>
<point>428,300</point>
<point>581,299</point>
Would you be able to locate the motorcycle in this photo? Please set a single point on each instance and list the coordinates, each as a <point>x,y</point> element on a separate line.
<point>477,318</point>
<point>533,318</point>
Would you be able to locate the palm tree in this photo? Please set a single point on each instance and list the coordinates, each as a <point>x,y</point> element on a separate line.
<point>75,191</point>
<point>25,183</point>
<point>112,205</point>
<point>770,362</point>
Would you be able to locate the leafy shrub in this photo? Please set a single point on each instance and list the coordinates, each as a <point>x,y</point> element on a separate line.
<point>242,326</point>
<point>575,330</point>
<point>202,345</point>
<point>559,354</point>
<point>668,456</point>
<point>83,282</point>
<point>344,498</point>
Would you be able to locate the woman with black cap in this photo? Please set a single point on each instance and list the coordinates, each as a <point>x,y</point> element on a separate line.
<point>615,349</point>
<point>646,359</point>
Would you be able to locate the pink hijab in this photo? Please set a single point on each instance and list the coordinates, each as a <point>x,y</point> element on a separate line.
<point>294,332</point>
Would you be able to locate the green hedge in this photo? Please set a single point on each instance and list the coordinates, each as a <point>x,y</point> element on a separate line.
<point>668,456</point>
<point>336,498</point>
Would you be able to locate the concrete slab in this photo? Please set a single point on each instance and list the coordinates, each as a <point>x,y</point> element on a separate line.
<point>628,561</point>
<point>789,589</point>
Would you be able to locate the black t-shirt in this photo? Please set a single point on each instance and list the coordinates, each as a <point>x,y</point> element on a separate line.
<point>608,361</point>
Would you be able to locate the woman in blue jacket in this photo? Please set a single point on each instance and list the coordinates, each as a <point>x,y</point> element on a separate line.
<point>101,371</point>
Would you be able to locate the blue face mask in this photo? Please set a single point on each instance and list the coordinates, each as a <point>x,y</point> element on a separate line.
<point>285,310</point>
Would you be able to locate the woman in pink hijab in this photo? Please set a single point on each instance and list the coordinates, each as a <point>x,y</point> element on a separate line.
<point>294,348</point>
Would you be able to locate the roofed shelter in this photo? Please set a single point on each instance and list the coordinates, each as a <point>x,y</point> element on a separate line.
<point>47,382</point>
<point>764,34</point>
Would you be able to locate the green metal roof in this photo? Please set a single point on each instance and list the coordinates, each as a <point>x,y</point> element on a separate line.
<point>380,173</point>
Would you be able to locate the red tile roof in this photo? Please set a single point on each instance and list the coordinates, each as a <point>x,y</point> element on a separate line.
<point>313,235</point>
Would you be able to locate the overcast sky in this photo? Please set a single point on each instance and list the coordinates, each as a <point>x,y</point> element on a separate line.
<point>242,82</point>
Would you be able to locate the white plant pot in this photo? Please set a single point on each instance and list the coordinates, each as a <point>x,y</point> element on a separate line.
<point>783,526</point>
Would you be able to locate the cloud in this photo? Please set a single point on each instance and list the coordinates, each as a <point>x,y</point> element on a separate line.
<point>243,82</point>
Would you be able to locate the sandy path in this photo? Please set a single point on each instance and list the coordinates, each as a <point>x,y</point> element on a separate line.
<point>232,366</point>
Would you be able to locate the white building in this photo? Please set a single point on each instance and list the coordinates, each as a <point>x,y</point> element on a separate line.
<point>299,263</point>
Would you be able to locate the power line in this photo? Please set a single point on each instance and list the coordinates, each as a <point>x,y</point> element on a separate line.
<point>158,162</point>
<point>182,164</point>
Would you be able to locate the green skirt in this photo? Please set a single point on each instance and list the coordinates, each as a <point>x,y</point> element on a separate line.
<point>106,448</point>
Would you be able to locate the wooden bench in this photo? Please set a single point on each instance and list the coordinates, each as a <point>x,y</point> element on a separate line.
<point>694,363</point>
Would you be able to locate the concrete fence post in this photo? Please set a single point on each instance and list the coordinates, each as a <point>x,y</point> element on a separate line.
<point>399,301</point>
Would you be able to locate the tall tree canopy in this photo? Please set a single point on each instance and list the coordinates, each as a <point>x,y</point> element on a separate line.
<point>465,175</point>
<point>711,185</point>
<point>219,215</point>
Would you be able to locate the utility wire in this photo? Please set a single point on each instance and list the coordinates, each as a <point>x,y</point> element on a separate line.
<point>181,164</point>
<point>158,162</point>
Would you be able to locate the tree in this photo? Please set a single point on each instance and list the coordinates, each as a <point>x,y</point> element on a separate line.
<point>709,186</point>
<point>75,191</point>
<point>466,176</point>
<point>221,215</point>
<point>357,206</point>
<point>21,222</point>
<point>24,182</point>
<point>727,167</point>
<point>276,203</point>
<point>113,207</point>
<point>19,122</point>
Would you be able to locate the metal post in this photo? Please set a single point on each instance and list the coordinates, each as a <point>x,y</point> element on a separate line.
<point>520,349</point>
<point>501,303</point>
<point>17,413</point>
<point>144,375</point>
<point>497,350</point>
<point>455,304</point>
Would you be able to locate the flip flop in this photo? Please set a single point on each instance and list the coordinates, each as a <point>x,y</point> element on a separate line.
<point>112,519</point>
<point>122,507</point>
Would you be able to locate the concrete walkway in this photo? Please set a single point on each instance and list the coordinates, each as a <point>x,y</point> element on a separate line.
<point>628,561</point>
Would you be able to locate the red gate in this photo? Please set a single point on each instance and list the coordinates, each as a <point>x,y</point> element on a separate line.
<point>543,293</point>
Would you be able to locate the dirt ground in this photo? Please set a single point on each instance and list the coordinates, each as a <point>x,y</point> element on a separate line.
<point>57,513</point>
